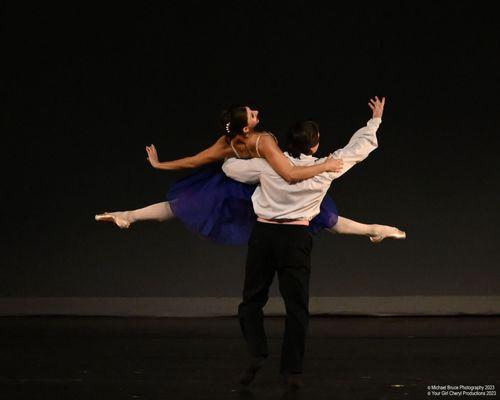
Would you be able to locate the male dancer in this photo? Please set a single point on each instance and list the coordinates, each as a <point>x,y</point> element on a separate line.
<point>280,240</point>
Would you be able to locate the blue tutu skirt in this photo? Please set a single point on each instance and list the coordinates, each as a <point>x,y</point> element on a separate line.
<point>220,208</point>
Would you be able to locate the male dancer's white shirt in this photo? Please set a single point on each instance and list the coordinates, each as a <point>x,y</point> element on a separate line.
<point>276,199</point>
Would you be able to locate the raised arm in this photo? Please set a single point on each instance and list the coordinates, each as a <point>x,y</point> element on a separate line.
<point>363,142</point>
<point>289,172</point>
<point>218,151</point>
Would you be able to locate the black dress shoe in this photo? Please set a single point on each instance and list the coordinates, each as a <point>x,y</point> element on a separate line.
<point>248,374</point>
<point>293,381</point>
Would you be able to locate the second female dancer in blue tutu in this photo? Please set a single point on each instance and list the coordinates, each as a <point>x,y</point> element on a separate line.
<point>220,208</point>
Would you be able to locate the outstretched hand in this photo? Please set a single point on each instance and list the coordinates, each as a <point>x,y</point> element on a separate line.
<point>152,156</point>
<point>377,107</point>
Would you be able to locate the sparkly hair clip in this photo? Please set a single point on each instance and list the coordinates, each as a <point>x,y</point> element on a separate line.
<point>227,127</point>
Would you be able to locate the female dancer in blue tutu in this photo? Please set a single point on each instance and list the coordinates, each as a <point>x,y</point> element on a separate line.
<point>219,208</point>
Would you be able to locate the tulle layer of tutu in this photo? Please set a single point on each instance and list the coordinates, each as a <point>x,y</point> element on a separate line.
<point>219,208</point>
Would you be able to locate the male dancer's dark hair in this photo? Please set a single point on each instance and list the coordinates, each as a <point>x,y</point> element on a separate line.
<point>301,137</point>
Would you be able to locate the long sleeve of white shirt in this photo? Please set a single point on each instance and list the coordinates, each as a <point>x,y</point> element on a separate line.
<point>245,171</point>
<point>361,144</point>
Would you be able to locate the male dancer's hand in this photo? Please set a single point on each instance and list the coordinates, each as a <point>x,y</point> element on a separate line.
<point>377,106</point>
<point>152,156</point>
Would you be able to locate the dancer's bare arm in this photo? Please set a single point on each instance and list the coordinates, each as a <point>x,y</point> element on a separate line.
<point>218,151</point>
<point>289,172</point>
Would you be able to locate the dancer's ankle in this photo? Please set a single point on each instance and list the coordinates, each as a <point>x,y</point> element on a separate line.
<point>129,216</point>
<point>374,230</point>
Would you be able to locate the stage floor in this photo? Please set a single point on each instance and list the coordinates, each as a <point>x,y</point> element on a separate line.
<point>201,358</point>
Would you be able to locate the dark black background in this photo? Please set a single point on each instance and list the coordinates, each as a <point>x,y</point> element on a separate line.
<point>87,87</point>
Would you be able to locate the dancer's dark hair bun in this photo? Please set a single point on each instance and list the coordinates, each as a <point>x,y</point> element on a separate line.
<point>301,137</point>
<point>233,120</point>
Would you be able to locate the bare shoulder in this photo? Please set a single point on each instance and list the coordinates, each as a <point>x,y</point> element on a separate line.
<point>220,149</point>
<point>271,135</point>
<point>222,142</point>
<point>267,140</point>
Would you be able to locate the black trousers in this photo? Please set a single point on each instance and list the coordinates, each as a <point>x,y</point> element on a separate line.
<point>285,249</point>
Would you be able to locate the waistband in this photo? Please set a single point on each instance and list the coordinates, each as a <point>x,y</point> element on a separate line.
<point>280,227</point>
<point>302,222</point>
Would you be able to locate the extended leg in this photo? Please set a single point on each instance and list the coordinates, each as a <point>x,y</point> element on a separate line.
<point>375,232</point>
<point>154,212</point>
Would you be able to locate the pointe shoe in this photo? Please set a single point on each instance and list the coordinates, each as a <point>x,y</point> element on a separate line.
<point>398,234</point>
<point>112,217</point>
